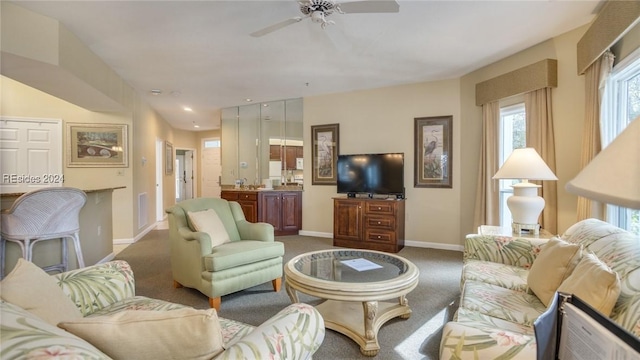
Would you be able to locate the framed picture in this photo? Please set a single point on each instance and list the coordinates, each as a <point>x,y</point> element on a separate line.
<point>168,158</point>
<point>97,145</point>
<point>433,152</point>
<point>325,140</point>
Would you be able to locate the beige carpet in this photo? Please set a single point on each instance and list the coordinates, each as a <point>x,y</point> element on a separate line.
<point>433,302</point>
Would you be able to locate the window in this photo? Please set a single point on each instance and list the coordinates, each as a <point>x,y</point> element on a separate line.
<point>512,136</point>
<point>211,144</point>
<point>621,105</point>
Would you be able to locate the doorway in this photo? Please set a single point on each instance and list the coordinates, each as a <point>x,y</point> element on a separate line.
<point>211,167</point>
<point>159,175</point>
<point>185,174</point>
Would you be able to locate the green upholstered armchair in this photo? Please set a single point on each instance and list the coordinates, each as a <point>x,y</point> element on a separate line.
<point>250,258</point>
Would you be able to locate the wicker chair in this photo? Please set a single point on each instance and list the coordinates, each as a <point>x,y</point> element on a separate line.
<point>44,214</point>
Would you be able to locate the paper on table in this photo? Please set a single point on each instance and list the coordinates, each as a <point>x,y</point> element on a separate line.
<point>361,264</point>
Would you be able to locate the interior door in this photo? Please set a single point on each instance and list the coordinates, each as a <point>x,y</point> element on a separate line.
<point>211,168</point>
<point>30,154</point>
<point>188,174</point>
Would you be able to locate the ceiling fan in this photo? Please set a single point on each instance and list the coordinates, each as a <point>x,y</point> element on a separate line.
<point>319,10</point>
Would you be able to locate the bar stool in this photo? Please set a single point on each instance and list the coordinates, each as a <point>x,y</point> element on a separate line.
<point>44,214</point>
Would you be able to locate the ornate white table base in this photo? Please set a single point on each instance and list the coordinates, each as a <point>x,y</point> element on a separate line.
<point>356,309</point>
<point>361,321</point>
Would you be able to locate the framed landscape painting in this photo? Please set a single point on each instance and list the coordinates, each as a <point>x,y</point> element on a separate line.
<point>433,152</point>
<point>325,140</point>
<point>97,145</point>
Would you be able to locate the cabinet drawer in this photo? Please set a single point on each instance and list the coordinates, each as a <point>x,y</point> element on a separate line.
<point>228,195</point>
<point>381,222</point>
<point>380,236</point>
<point>247,196</point>
<point>378,207</point>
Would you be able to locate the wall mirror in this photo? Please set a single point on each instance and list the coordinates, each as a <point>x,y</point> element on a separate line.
<point>262,143</point>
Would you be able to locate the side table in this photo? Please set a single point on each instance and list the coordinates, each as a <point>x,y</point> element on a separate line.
<point>507,231</point>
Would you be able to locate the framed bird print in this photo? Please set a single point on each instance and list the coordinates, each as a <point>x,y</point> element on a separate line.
<point>433,152</point>
<point>325,143</point>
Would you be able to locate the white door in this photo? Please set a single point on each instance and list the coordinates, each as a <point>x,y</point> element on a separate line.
<point>159,175</point>
<point>211,167</point>
<point>30,154</point>
<point>188,175</point>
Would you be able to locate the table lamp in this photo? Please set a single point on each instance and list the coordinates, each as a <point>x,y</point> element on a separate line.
<point>525,204</point>
<point>613,176</point>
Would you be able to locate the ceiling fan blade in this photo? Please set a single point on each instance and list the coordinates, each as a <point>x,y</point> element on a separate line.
<point>276,26</point>
<point>372,6</point>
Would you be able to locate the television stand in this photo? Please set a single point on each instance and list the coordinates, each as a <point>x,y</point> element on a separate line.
<point>372,224</point>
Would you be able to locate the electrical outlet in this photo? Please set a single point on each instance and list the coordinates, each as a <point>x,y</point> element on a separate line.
<point>99,230</point>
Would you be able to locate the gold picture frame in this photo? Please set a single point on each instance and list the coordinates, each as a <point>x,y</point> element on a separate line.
<point>325,143</point>
<point>433,142</point>
<point>168,158</point>
<point>97,145</point>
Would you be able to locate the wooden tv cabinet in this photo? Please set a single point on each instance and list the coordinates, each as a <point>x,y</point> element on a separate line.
<point>372,224</point>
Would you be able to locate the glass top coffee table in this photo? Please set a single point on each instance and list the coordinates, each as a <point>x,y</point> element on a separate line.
<point>354,284</point>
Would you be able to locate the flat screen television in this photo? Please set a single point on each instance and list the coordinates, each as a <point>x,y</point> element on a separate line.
<point>372,174</point>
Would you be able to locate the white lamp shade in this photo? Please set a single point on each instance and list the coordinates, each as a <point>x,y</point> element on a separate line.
<point>525,163</point>
<point>613,176</point>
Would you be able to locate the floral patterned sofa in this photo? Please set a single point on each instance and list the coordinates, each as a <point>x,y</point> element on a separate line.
<point>497,306</point>
<point>296,332</point>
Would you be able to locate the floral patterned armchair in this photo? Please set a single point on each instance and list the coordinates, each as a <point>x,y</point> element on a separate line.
<point>110,288</point>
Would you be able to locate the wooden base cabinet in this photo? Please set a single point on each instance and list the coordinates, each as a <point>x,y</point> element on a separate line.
<point>248,201</point>
<point>368,224</point>
<point>282,209</point>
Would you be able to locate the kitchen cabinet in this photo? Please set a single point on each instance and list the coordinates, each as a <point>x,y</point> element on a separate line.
<point>248,201</point>
<point>282,209</point>
<point>369,224</point>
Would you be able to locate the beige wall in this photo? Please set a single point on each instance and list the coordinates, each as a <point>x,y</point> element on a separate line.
<point>568,114</point>
<point>382,120</point>
<point>24,101</point>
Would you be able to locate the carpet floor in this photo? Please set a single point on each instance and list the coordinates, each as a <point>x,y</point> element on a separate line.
<point>433,302</point>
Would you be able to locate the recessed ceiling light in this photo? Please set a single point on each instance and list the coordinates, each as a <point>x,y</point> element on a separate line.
<point>196,126</point>
<point>248,100</point>
<point>156,92</point>
<point>186,108</point>
<point>265,104</point>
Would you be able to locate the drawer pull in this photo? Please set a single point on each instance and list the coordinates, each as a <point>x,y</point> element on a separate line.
<point>378,236</point>
<point>378,222</point>
<point>379,208</point>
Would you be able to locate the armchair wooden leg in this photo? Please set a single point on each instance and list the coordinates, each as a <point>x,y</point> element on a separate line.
<point>215,303</point>
<point>176,284</point>
<point>277,283</point>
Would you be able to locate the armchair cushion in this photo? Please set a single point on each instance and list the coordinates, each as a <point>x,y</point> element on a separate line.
<point>176,334</point>
<point>555,263</point>
<point>209,222</point>
<point>31,288</point>
<point>240,253</point>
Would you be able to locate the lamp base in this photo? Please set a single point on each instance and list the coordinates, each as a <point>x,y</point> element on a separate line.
<point>518,228</point>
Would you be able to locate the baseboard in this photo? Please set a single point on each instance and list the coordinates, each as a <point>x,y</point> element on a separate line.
<point>316,234</point>
<point>107,258</point>
<point>432,245</point>
<point>409,243</point>
<point>138,237</point>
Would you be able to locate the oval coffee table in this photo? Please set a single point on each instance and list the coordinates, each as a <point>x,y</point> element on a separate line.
<point>354,303</point>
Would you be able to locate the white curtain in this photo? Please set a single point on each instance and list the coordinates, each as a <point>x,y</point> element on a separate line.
<point>487,210</point>
<point>595,80</point>
<point>540,136</point>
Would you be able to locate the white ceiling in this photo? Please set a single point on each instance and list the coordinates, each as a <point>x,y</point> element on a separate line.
<point>202,51</point>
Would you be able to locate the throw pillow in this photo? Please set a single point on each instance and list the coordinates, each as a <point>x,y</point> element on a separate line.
<point>37,292</point>
<point>175,334</point>
<point>209,222</point>
<point>594,283</point>
<point>552,266</point>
